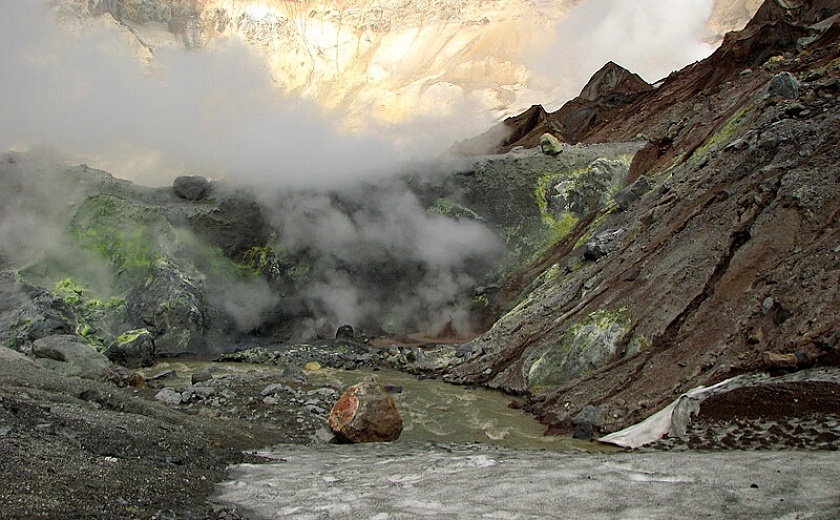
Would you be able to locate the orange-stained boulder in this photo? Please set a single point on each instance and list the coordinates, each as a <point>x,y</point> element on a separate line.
<point>366,413</point>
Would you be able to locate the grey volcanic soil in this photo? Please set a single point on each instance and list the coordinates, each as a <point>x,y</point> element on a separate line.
<point>75,448</point>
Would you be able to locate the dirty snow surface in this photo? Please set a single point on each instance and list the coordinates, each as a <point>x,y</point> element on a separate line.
<point>428,480</point>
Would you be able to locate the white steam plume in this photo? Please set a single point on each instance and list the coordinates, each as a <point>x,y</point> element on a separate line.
<point>212,111</point>
<point>648,37</point>
<point>383,260</point>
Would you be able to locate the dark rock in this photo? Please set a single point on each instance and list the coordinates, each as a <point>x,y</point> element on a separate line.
<point>192,188</point>
<point>166,374</point>
<point>116,375</point>
<point>583,430</point>
<point>172,307</point>
<point>795,109</point>
<point>235,224</point>
<point>631,275</point>
<point>393,389</point>
<point>627,196</point>
<point>603,243</point>
<point>48,428</point>
<point>132,349</point>
<point>345,332</point>
<point>366,413</point>
<point>586,421</point>
<point>201,376</point>
<point>784,85</point>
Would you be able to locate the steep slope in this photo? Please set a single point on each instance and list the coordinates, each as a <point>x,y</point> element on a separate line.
<point>730,258</point>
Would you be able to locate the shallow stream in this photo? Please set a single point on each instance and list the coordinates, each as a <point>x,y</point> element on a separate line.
<point>436,411</point>
<point>431,409</point>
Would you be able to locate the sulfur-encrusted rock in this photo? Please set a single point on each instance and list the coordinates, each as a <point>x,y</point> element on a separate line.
<point>366,413</point>
<point>550,145</point>
<point>133,349</point>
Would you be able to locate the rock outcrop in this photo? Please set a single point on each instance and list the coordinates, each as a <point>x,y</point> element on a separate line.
<point>739,208</point>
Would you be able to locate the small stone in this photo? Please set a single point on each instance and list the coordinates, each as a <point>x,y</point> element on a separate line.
<point>136,380</point>
<point>627,196</point>
<point>166,374</point>
<point>756,335</point>
<point>768,304</point>
<point>48,428</point>
<point>312,366</point>
<point>169,396</point>
<point>201,376</point>
<point>631,275</point>
<point>604,243</point>
<point>393,389</point>
<point>273,389</point>
<point>550,145</point>
<point>586,421</point>
<point>794,109</point>
<point>737,145</point>
<point>776,360</point>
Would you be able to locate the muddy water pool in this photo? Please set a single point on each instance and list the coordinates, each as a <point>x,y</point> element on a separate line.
<point>431,409</point>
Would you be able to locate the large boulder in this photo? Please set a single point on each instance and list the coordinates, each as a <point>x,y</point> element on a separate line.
<point>133,349</point>
<point>172,306</point>
<point>366,413</point>
<point>784,85</point>
<point>193,187</point>
<point>69,355</point>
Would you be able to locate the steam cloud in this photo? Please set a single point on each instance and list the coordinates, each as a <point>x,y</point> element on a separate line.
<point>216,112</point>
<point>213,111</point>
<point>648,37</point>
<point>383,260</point>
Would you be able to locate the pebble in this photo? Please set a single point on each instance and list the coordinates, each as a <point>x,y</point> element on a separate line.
<point>48,428</point>
<point>169,396</point>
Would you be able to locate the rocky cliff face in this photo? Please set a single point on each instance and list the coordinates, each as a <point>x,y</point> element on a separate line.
<point>389,60</point>
<point>721,253</point>
<point>690,234</point>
